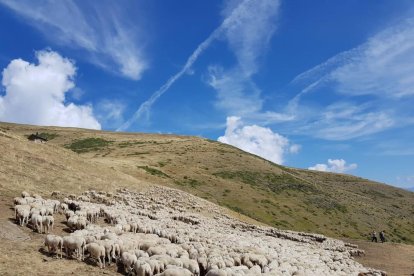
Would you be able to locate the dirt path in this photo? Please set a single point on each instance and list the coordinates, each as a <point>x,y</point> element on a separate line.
<point>394,258</point>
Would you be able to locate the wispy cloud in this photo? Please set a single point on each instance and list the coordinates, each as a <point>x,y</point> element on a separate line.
<point>372,86</point>
<point>248,37</point>
<point>237,94</point>
<point>334,165</point>
<point>110,112</point>
<point>234,17</point>
<point>102,29</point>
<point>347,120</point>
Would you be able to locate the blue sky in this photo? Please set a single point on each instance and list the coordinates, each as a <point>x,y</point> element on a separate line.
<point>326,85</point>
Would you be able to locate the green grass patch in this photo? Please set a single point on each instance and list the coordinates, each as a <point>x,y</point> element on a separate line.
<point>48,136</point>
<point>325,203</point>
<point>131,143</point>
<point>275,182</point>
<point>188,182</point>
<point>88,145</point>
<point>137,153</point>
<point>153,171</point>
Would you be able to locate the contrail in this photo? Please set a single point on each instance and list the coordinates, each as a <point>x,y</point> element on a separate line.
<point>233,18</point>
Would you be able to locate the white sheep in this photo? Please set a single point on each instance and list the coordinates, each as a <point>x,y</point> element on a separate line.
<point>96,252</point>
<point>175,271</point>
<point>54,244</point>
<point>128,260</point>
<point>216,272</point>
<point>109,249</point>
<point>142,268</point>
<point>74,243</point>
<point>37,223</point>
<point>48,223</point>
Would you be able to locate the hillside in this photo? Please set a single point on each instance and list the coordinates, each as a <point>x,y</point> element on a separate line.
<point>336,205</point>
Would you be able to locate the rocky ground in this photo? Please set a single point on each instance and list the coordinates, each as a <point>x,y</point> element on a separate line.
<point>168,227</point>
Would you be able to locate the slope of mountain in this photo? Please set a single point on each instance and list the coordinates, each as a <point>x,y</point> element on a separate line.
<point>336,205</point>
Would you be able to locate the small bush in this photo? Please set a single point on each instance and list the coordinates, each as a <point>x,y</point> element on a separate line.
<point>153,171</point>
<point>88,144</point>
<point>48,136</point>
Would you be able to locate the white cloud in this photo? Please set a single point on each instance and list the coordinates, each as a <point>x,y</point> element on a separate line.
<point>257,140</point>
<point>251,31</point>
<point>334,165</point>
<point>35,93</point>
<point>295,148</point>
<point>236,95</point>
<point>248,37</point>
<point>110,113</point>
<point>343,121</point>
<point>372,83</point>
<point>383,66</point>
<point>95,26</point>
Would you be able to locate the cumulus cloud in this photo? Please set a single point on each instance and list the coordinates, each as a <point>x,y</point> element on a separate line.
<point>35,93</point>
<point>257,140</point>
<point>98,27</point>
<point>334,165</point>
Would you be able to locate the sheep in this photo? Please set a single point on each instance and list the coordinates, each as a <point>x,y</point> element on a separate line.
<point>74,243</point>
<point>140,253</point>
<point>191,265</point>
<point>22,214</point>
<point>69,214</point>
<point>63,207</point>
<point>142,268</point>
<point>81,223</point>
<point>72,222</point>
<point>37,223</point>
<point>47,223</point>
<point>109,249</point>
<point>54,243</point>
<point>96,252</point>
<point>157,250</point>
<point>175,271</point>
<point>20,201</point>
<point>191,244</point>
<point>25,194</point>
<point>128,260</point>
<point>156,266</point>
<point>216,272</point>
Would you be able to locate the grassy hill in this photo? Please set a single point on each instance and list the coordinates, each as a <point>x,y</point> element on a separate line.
<point>336,205</point>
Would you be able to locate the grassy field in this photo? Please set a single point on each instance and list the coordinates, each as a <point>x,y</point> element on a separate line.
<point>336,205</point>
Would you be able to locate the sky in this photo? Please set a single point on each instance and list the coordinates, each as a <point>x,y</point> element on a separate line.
<point>320,85</point>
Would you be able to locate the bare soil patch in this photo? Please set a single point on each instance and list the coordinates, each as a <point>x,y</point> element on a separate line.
<point>396,259</point>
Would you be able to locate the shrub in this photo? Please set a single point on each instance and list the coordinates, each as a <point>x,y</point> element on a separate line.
<point>88,144</point>
<point>153,171</point>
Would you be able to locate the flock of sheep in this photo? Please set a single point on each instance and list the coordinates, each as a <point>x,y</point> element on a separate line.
<point>168,232</point>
